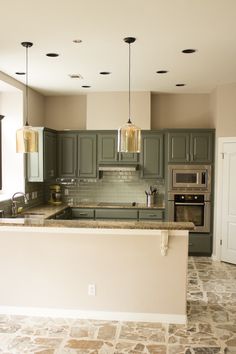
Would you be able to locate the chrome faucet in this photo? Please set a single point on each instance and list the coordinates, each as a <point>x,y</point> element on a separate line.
<point>14,208</point>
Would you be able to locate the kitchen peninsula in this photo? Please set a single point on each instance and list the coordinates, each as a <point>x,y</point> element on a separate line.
<point>137,270</point>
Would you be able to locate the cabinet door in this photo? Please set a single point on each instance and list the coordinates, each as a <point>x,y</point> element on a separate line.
<point>67,149</point>
<point>87,159</point>
<point>127,157</point>
<point>201,147</point>
<point>116,214</point>
<point>50,155</point>
<point>200,244</point>
<point>152,155</point>
<point>35,163</point>
<point>107,147</point>
<point>178,147</point>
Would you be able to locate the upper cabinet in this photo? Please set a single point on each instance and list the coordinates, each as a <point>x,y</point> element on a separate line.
<point>42,165</point>
<point>107,147</point>
<point>87,155</point>
<point>108,150</point>
<point>152,162</point>
<point>50,155</point>
<point>67,155</point>
<point>77,155</point>
<point>190,146</point>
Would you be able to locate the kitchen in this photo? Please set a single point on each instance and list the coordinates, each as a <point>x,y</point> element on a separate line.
<point>193,110</point>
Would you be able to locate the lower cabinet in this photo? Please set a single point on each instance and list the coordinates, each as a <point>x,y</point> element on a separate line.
<point>200,244</point>
<point>151,214</point>
<point>83,213</point>
<point>128,214</point>
<point>116,214</point>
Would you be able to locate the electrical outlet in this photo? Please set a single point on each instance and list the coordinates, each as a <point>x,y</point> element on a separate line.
<point>66,191</point>
<point>27,196</point>
<point>92,290</point>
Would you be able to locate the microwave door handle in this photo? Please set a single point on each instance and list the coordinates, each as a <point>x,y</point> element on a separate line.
<point>204,178</point>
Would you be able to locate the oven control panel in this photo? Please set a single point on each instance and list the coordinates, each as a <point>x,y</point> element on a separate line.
<point>189,198</point>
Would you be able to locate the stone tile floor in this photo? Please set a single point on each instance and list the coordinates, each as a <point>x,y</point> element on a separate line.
<point>211,326</point>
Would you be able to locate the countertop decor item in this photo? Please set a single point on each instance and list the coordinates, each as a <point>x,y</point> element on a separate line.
<point>129,136</point>
<point>26,137</point>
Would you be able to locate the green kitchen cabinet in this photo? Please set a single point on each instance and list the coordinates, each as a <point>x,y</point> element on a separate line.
<point>107,147</point>
<point>50,155</point>
<point>190,146</point>
<point>42,165</point>
<point>116,214</point>
<point>200,244</point>
<point>152,160</point>
<point>67,155</point>
<point>108,150</point>
<point>87,155</point>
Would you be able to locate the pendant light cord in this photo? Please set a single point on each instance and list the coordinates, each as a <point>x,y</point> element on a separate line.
<point>129,121</point>
<point>26,93</point>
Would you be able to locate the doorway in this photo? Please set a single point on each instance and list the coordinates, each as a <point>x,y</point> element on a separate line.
<point>226,200</point>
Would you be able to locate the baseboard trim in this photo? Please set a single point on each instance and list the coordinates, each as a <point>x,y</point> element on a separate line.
<point>95,315</point>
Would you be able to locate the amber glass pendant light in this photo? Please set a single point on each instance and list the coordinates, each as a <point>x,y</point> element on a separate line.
<point>129,136</point>
<point>26,137</point>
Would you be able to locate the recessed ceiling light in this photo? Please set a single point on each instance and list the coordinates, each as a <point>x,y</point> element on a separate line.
<point>189,51</point>
<point>52,55</point>
<point>20,73</point>
<point>76,76</point>
<point>86,86</point>
<point>105,73</point>
<point>77,41</point>
<point>162,71</point>
<point>180,85</point>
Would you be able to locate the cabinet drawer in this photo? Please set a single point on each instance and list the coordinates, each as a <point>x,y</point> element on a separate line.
<point>200,243</point>
<point>116,214</point>
<point>151,214</point>
<point>82,213</point>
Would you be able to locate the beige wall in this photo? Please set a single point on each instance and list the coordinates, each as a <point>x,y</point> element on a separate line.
<point>36,101</point>
<point>110,110</point>
<point>180,111</point>
<point>224,102</point>
<point>51,269</point>
<point>65,112</point>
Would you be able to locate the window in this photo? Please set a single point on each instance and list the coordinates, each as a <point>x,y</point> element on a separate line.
<point>12,164</point>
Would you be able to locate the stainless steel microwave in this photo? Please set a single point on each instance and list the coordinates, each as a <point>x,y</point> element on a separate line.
<point>190,177</point>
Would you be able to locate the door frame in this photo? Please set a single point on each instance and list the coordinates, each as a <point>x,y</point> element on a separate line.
<point>219,195</point>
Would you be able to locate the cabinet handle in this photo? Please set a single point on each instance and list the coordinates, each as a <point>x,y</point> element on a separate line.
<point>152,215</point>
<point>83,214</point>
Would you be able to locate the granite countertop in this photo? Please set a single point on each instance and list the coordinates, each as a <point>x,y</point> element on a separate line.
<point>40,216</point>
<point>106,224</point>
<point>107,205</point>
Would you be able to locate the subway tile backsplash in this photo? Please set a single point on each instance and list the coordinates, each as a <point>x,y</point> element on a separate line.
<point>122,187</point>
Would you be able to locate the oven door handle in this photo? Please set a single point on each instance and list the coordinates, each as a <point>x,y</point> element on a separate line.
<point>189,203</point>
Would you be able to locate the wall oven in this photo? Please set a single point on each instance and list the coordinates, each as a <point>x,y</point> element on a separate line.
<point>195,208</point>
<point>189,177</point>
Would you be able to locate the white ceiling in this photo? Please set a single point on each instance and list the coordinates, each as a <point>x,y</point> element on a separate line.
<point>163,28</point>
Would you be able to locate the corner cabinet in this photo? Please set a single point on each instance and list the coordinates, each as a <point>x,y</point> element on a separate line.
<point>42,165</point>
<point>77,155</point>
<point>152,159</point>
<point>108,150</point>
<point>190,146</point>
